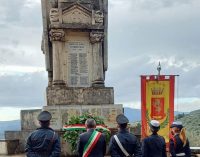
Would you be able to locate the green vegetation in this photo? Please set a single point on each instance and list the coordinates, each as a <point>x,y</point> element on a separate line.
<point>191,122</point>
<point>76,126</point>
<point>179,116</point>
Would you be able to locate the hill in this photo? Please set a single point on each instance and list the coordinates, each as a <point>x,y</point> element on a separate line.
<point>9,125</point>
<point>192,123</point>
<point>134,115</point>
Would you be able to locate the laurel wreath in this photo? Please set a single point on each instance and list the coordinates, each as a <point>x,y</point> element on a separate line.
<point>163,124</point>
<point>71,136</point>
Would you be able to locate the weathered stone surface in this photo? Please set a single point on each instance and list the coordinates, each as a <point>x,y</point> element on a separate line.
<point>29,119</point>
<point>83,96</point>
<point>86,27</point>
<point>62,113</point>
<point>8,146</point>
<point>19,135</point>
<point>76,14</point>
<point>80,17</point>
<point>77,59</point>
<point>3,148</point>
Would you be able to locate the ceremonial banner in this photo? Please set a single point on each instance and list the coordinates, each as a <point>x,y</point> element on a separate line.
<point>157,99</point>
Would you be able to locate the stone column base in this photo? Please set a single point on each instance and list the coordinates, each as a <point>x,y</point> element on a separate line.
<point>62,95</point>
<point>62,113</point>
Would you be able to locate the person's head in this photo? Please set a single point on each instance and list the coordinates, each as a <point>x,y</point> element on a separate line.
<point>90,123</point>
<point>44,118</point>
<point>176,127</point>
<point>154,126</point>
<point>122,121</point>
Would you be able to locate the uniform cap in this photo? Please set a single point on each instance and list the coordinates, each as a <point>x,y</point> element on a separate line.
<point>155,123</point>
<point>177,124</point>
<point>44,116</point>
<point>121,119</point>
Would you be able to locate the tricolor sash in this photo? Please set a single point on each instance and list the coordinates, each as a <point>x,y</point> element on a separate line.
<point>91,143</point>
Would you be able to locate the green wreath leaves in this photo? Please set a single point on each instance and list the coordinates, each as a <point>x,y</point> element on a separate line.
<point>71,135</point>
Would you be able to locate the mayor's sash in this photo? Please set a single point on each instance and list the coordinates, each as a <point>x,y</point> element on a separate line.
<point>91,143</point>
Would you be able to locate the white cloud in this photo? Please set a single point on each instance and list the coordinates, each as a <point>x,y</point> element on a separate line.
<point>12,113</point>
<point>6,70</point>
<point>32,3</point>
<point>23,89</point>
<point>187,104</point>
<point>185,64</point>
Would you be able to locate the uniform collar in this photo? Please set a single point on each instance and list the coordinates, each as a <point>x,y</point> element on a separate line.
<point>90,130</point>
<point>154,134</point>
<point>44,128</point>
<point>123,130</point>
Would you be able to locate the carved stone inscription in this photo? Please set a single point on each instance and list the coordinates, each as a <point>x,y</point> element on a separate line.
<point>78,64</point>
<point>62,113</point>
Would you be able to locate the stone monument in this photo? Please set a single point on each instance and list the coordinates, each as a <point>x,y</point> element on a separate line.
<point>74,44</point>
<point>75,47</point>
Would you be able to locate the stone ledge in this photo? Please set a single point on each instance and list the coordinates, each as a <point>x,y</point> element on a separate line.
<point>8,146</point>
<point>195,150</point>
<point>62,113</point>
<point>78,26</point>
<point>29,119</point>
<point>62,95</point>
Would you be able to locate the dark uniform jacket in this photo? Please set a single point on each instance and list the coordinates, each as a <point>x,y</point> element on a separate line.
<point>99,149</point>
<point>128,141</point>
<point>176,147</point>
<point>154,146</point>
<point>39,144</point>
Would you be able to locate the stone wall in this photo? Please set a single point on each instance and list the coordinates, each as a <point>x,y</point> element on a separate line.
<point>29,119</point>
<point>9,146</point>
<point>62,95</point>
<point>62,113</point>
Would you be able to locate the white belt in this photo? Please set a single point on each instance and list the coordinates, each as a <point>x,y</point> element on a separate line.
<point>180,154</point>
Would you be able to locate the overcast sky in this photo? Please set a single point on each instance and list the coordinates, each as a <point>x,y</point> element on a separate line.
<point>141,33</point>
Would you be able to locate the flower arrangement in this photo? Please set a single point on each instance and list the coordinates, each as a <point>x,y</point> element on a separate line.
<point>76,126</point>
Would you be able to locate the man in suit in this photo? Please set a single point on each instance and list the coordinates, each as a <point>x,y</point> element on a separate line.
<point>154,145</point>
<point>43,142</point>
<point>91,143</point>
<point>128,141</point>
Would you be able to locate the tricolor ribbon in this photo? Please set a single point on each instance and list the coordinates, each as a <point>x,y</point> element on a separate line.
<point>82,127</point>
